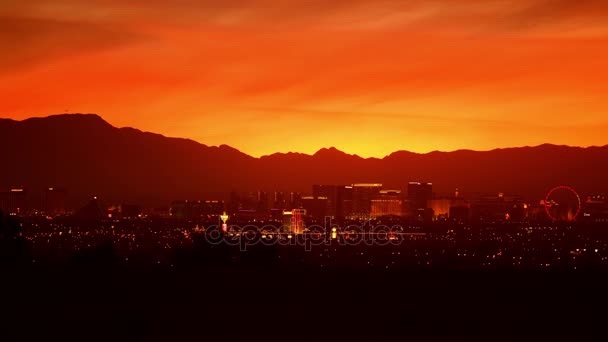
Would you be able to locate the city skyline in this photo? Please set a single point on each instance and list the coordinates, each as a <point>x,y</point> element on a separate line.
<point>418,75</point>
<point>351,202</point>
<point>141,167</point>
<point>303,168</point>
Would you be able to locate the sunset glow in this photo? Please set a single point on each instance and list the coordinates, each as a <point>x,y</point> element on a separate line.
<point>265,76</point>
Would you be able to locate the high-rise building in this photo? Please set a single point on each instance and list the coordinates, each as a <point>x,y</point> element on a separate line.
<point>316,207</point>
<point>293,221</point>
<point>497,207</point>
<point>335,194</point>
<point>249,201</point>
<point>387,203</point>
<point>234,203</point>
<point>295,199</point>
<point>418,195</point>
<point>279,201</point>
<point>210,208</point>
<point>13,201</point>
<point>264,202</point>
<point>363,193</point>
<point>54,201</point>
<point>344,203</point>
<point>595,208</point>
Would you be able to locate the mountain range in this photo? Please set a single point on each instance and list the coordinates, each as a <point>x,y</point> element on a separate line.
<point>87,156</point>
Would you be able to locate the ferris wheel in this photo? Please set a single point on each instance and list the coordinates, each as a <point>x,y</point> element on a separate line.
<point>562,203</point>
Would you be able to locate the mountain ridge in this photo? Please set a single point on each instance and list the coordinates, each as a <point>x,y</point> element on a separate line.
<point>96,118</point>
<point>88,156</point>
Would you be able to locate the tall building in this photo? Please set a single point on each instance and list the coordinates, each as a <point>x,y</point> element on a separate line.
<point>331,193</point>
<point>295,199</point>
<point>497,207</point>
<point>210,208</point>
<point>264,202</point>
<point>363,193</point>
<point>279,200</point>
<point>234,203</point>
<point>387,203</point>
<point>418,195</point>
<point>344,202</point>
<point>347,201</point>
<point>293,221</point>
<point>595,208</point>
<point>316,207</point>
<point>249,201</point>
<point>54,201</point>
<point>13,201</point>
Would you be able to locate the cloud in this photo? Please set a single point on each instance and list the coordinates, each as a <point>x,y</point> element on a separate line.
<point>439,15</point>
<point>561,16</point>
<point>31,41</point>
<point>452,67</point>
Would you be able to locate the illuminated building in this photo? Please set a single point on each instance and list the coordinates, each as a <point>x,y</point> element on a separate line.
<point>13,201</point>
<point>246,215</point>
<point>339,199</point>
<point>295,199</point>
<point>316,207</point>
<point>293,221</point>
<point>495,207</point>
<point>279,200</point>
<point>388,203</point>
<point>363,193</point>
<point>196,209</point>
<point>418,194</point>
<point>441,207</point>
<point>332,194</point>
<point>211,208</point>
<point>234,203</point>
<point>264,202</point>
<point>54,201</point>
<point>344,203</point>
<point>595,209</point>
<point>224,219</point>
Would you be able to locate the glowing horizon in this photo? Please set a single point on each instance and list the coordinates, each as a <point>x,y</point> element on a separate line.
<point>369,78</point>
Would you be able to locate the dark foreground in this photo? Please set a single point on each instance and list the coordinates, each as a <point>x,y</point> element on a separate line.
<point>162,301</point>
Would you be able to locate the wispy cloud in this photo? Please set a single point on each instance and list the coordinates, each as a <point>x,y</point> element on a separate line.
<point>488,68</point>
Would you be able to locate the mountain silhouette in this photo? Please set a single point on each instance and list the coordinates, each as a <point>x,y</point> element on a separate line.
<point>88,156</point>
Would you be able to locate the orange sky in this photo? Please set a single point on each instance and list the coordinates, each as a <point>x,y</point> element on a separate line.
<point>368,77</point>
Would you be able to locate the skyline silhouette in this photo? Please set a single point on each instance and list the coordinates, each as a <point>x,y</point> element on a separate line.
<point>88,156</point>
<point>303,168</point>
